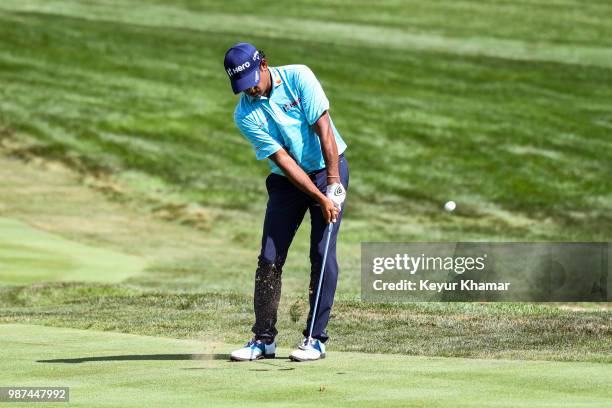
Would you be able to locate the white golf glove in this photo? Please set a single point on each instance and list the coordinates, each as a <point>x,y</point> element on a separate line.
<point>337,194</point>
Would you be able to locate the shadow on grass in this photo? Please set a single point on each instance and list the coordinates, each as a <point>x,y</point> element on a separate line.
<point>138,357</point>
<point>141,357</point>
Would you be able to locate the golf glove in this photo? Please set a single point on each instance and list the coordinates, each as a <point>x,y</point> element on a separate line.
<point>337,194</point>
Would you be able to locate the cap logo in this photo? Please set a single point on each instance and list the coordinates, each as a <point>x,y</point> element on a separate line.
<point>233,71</point>
<point>255,55</point>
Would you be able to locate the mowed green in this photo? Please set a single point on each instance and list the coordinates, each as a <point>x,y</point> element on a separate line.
<point>437,101</point>
<point>30,255</point>
<point>103,369</point>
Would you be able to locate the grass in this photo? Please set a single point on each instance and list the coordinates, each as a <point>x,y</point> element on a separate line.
<point>192,286</point>
<point>117,145</point>
<point>103,369</point>
<point>29,255</point>
<point>141,96</point>
<point>503,330</point>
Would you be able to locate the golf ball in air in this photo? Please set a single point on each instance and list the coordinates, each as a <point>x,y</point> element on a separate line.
<point>450,206</point>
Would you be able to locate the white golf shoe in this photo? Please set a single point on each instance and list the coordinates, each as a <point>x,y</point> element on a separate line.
<point>309,350</point>
<point>254,350</point>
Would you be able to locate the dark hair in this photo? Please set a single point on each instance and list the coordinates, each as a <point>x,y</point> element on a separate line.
<point>262,54</point>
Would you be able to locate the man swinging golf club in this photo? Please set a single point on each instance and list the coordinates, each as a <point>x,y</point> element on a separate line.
<point>283,112</point>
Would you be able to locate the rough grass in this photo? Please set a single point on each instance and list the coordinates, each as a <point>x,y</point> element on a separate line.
<point>505,330</point>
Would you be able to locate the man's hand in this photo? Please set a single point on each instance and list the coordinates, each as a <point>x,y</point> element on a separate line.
<point>337,194</point>
<point>329,209</point>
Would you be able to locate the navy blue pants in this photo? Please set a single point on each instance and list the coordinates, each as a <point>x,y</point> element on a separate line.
<point>285,211</point>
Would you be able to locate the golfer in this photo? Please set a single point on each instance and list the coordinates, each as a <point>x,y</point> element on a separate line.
<point>283,112</point>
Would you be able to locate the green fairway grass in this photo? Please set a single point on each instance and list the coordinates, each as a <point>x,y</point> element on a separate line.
<point>104,369</point>
<point>131,208</point>
<point>29,255</point>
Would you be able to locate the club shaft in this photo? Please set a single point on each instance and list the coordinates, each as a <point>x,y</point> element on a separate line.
<point>316,305</point>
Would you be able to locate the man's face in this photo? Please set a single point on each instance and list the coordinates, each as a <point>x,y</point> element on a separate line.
<point>261,87</point>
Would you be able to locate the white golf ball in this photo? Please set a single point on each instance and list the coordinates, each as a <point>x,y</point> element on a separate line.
<point>450,206</point>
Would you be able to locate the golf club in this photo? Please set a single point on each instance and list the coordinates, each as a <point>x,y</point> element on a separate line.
<point>314,310</point>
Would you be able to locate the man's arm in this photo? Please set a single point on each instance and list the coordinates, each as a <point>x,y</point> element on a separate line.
<point>301,180</point>
<point>328,146</point>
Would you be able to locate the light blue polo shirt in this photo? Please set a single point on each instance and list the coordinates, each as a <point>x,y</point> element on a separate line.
<point>284,119</point>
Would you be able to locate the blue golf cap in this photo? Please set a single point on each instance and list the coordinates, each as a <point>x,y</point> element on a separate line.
<point>242,66</point>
